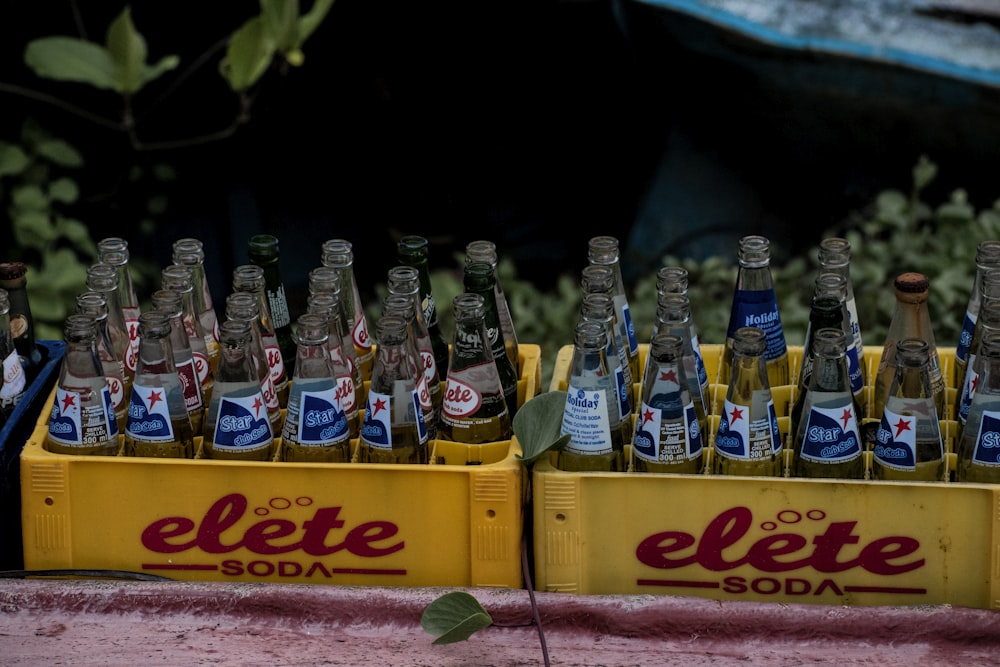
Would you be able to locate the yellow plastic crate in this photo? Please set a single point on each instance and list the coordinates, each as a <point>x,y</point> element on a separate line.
<point>455,522</point>
<point>767,539</point>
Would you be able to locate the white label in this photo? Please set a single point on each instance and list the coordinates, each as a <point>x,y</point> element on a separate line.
<point>586,419</point>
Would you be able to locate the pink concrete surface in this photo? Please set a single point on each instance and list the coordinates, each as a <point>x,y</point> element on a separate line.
<point>104,622</point>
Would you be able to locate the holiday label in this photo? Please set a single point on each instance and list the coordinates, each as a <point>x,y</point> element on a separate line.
<point>148,415</point>
<point>740,438</point>
<point>759,308</point>
<point>72,425</point>
<point>587,421</point>
<point>831,435</point>
<point>660,440</point>
<point>242,423</point>
<point>987,449</point>
<point>319,417</point>
<point>14,380</point>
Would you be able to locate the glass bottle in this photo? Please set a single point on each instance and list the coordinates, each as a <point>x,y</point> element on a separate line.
<point>82,420</point>
<point>474,410</point>
<point>179,278</point>
<point>95,306</point>
<point>237,427</point>
<point>263,252</point>
<point>979,448</point>
<point>14,279</point>
<point>405,281</point>
<point>169,303</point>
<point>910,319</point>
<point>909,446</point>
<point>103,278</point>
<point>486,251</point>
<point>415,251</point>
<point>590,417</point>
<point>158,424</point>
<point>826,441</point>
<point>835,257</point>
<point>673,315</point>
<point>668,433</point>
<point>987,257</point>
<point>401,305</point>
<point>190,252</point>
<point>479,279</point>
<point>393,430</point>
<point>987,319</point>
<point>672,280</point>
<point>15,380</point>
<point>345,365</point>
<point>755,304</point>
<point>603,251</point>
<point>243,306</point>
<point>748,441</point>
<point>316,427</point>
<point>599,278</point>
<point>339,254</point>
<point>114,251</point>
<point>250,278</point>
<point>600,307</point>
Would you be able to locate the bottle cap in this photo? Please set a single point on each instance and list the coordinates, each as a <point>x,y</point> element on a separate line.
<point>13,270</point>
<point>912,283</point>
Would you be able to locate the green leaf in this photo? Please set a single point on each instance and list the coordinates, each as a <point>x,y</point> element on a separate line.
<point>311,19</point>
<point>923,173</point>
<point>63,271</point>
<point>64,190</point>
<point>248,55</point>
<point>71,59</point>
<point>77,233</point>
<point>59,152</point>
<point>280,19</point>
<point>128,52</point>
<point>13,160</point>
<point>537,426</point>
<point>29,198</point>
<point>454,617</point>
<point>33,229</point>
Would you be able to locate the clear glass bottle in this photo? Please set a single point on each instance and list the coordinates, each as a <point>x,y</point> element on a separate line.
<point>835,257</point>
<point>190,252</point>
<point>250,278</point>
<point>979,449</point>
<point>480,279</point>
<point>414,251</point>
<point>349,383</point>
<point>672,280</point>
<point>755,304</point>
<point>15,380</point>
<point>600,307</point>
<point>243,306</point>
<point>82,421</point>
<point>908,446</point>
<point>262,251</point>
<point>393,430</point>
<point>673,316</point>
<point>103,279</point>
<point>748,441</point>
<point>668,433</point>
<point>339,254</point>
<point>486,251</point>
<point>179,278</point>
<point>987,319</point>
<point>910,319</point>
<point>401,305</point>
<point>987,257</point>
<point>603,251</point>
<point>114,251</point>
<point>590,416</point>
<point>237,427</point>
<point>158,424</point>
<point>316,427</point>
<point>600,279</point>
<point>326,280</point>
<point>14,279</point>
<point>170,304</point>
<point>95,306</point>
<point>474,410</point>
<point>405,281</point>
<point>826,441</point>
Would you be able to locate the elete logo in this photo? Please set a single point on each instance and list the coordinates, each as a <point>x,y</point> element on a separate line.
<point>822,554</point>
<point>285,547</point>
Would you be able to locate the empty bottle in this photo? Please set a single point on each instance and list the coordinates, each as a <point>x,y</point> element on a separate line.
<point>169,303</point>
<point>339,254</point>
<point>82,421</point>
<point>179,278</point>
<point>237,426</point>
<point>603,251</point>
<point>114,251</point>
<point>835,257</point>
<point>978,451</point>
<point>158,424</point>
<point>103,278</point>
<point>486,251</point>
<point>827,309</point>
<point>908,446</point>
<point>474,410</point>
<point>987,257</point>
<point>14,376</point>
<point>14,279</point>
<point>600,279</point>
<point>748,441</point>
<point>350,388</point>
<point>316,427</point>
<point>673,316</point>
<point>401,305</point>
<point>987,319</point>
<point>479,279</point>
<point>668,433</point>
<point>590,416</point>
<point>414,251</point>
<point>243,306</point>
<point>250,278</point>
<point>263,252</point>
<point>600,307</point>
<point>95,306</point>
<point>325,281</point>
<point>190,252</point>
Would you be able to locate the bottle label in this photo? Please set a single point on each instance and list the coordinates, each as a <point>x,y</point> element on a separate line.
<point>896,442</point>
<point>321,419</point>
<point>759,308</point>
<point>269,393</point>
<point>987,449</point>
<point>132,351</point>
<point>71,426</point>
<point>699,364</point>
<point>360,334</point>
<point>745,440</point>
<point>461,399</point>
<point>633,342</point>
<point>116,390</point>
<point>190,384</point>
<point>429,366</point>
<point>242,423</point>
<point>430,310</point>
<point>969,384</point>
<point>148,415</point>
<point>831,435</point>
<point>854,368</point>
<point>965,337</point>
<point>623,388</point>
<point>202,366</point>
<point>346,394</point>
<point>279,307</point>
<point>422,434</point>
<point>423,394</point>
<point>587,420</point>
<point>275,364</point>
<point>14,380</point>
<point>660,440</point>
<point>376,430</point>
